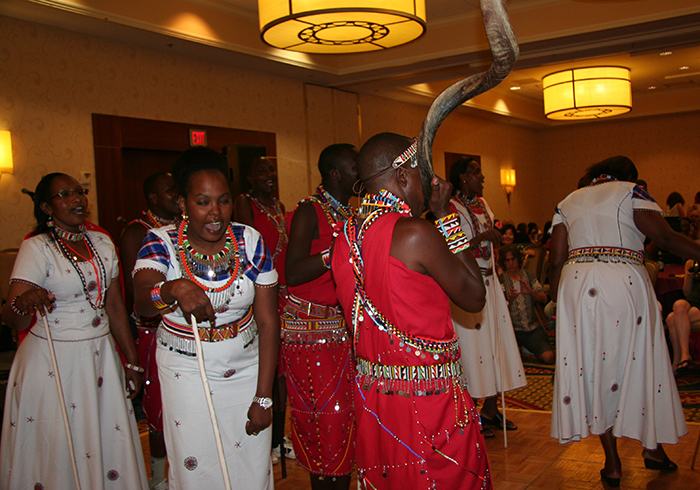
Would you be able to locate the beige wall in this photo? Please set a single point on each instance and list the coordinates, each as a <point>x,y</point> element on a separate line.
<point>52,80</point>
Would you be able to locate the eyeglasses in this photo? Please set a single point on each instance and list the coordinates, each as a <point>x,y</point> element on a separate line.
<point>66,193</point>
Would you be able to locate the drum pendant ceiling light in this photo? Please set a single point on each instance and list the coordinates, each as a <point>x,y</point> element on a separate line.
<point>587,93</point>
<point>340,26</point>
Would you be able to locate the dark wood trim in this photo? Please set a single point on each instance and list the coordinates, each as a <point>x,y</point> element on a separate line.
<point>112,134</point>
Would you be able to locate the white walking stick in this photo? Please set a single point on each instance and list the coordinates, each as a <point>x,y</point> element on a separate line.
<point>496,324</point>
<point>210,404</point>
<point>61,401</point>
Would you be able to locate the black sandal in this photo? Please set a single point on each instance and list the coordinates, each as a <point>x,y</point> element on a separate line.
<point>497,421</point>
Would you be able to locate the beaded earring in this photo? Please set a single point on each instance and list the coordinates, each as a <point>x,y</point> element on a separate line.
<point>49,222</point>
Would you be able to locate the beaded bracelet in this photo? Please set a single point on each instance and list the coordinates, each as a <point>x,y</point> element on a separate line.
<point>157,300</point>
<point>326,258</point>
<point>138,369</point>
<point>14,308</point>
<point>451,229</point>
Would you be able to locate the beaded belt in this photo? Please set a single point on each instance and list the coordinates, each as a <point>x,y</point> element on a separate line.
<point>298,305</point>
<point>211,334</point>
<point>605,254</point>
<point>289,323</point>
<point>409,373</point>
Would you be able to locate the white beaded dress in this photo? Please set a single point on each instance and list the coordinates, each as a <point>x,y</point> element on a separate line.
<point>613,367</point>
<point>34,452</point>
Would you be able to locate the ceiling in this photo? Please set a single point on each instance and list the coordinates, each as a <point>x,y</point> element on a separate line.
<point>552,34</point>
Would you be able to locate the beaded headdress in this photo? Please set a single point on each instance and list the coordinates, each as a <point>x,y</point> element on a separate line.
<point>407,155</point>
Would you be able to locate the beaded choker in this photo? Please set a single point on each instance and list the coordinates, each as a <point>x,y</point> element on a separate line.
<point>602,178</point>
<point>69,235</point>
<point>335,211</point>
<point>278,220</point>
<point>156,221</point>
<point>193,264</point>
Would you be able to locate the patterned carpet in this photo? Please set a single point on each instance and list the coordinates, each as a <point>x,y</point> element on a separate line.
<point>537,395</point>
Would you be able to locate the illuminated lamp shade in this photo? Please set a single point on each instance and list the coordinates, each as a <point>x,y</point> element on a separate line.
<point>340,26</point>
<point>6,165</point>
<point>587,93</point>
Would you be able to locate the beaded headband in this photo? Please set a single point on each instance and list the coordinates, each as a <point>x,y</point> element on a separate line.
<point>407,155</point>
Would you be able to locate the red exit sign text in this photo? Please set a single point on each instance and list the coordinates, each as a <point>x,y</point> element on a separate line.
<point>198,137</point>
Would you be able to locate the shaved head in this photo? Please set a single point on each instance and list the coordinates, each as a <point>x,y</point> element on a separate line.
<point>377,155</point>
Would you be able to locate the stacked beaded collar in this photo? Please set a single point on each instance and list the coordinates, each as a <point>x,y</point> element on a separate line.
<point>372,208</point>
<point>335,211</point>
<point>278,220</point>
<point>194,264</point>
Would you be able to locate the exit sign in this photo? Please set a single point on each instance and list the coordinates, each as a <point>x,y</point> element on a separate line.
<point>198,137</point>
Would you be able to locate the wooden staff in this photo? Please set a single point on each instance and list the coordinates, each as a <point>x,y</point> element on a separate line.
<point>61,401</point>
<point>210,404</point>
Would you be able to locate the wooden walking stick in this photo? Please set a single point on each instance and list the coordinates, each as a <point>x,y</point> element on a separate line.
<point>61,401</point>
<point>210,404</point>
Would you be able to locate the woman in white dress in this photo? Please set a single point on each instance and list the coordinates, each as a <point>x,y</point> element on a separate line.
<point>490,355</point>
<point>73,274</point>
<point>222,273</point>
<point>614,377</point>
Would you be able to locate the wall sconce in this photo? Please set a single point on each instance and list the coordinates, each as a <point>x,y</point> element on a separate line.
<point>508,181</point>
<point>6,165</point>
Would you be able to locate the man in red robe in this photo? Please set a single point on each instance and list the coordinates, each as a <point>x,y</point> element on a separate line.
<point>417,426</point>
<point>315,342</point>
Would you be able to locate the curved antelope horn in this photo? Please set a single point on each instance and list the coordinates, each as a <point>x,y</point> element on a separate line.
<point>504,50</point>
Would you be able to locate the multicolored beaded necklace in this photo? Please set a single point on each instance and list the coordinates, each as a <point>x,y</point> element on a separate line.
<point>278,220</point>
<point>100,283</point>
<point>335,211</point>
<point>68,235</point>
<point>372,208</point>
<point>156,221</point>
<point>475,206</point>
<point>195,264</point>
<point>602,178</point>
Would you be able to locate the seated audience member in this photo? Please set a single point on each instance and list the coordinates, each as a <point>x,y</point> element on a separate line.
<point>533,232</point>
<point>685,312</point>
<point>643,183</point>
<point>509,233</point>
<point>521,234</point>
<point>695,205</point>
<point>522,290</point>
<point>675,203</point>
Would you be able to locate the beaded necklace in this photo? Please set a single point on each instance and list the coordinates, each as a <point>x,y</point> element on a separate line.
<point>335,211</point>
<point>372,208</point>
<point>602,178</point>
<point>193,263</point>
<point>472,205</point>
<point>156,221</point>
<point>69,235</point>
<point>95,261</point>
<point>278,220</point>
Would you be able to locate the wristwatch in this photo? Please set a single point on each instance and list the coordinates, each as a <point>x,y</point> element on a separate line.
<point>265,402</point>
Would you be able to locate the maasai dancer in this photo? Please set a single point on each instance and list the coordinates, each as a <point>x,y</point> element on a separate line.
<point>221,273</point>
<point>70,274</point>
<point>315,340</point>
<point>490,354</point>
<point>162,200</point>
<point>417,426</point>
<point>259,208</point>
